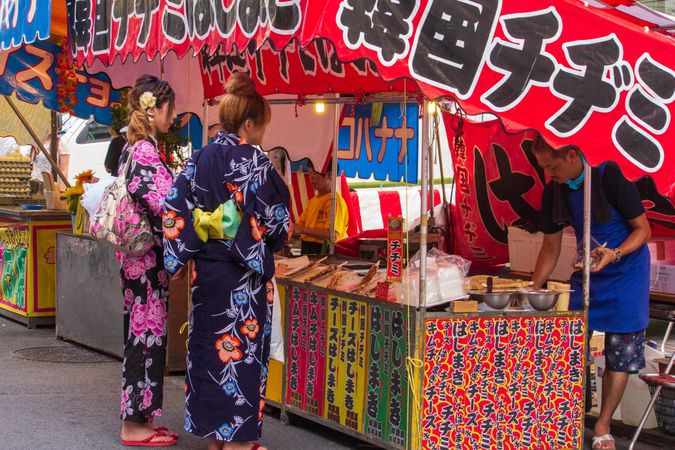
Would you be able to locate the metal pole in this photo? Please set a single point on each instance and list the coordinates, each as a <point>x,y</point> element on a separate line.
<point>54,141</point>
<point>37,141</point>
<point>587,238</point>
<point>205,124</point>
<point>586,276</point>
<point>333,182</point>
<point>421,301</point>
<point>431,153</point>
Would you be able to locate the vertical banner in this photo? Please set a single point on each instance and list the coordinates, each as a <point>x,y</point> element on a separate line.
<point>316,356</point>
<point>498,184</point>
<point>346,361</point>
<point>394,249</point>
<point>334,384</point>
<point>295,386</point>
<point>361,332</point>
<point>378,376</point>
<point>398,388</point>
<point>503,383</point>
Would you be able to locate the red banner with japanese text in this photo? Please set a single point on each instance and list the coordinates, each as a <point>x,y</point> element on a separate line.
<point>499,184</point>
<point>576,73</point>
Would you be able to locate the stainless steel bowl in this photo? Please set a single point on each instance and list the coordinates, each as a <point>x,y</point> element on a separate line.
<point>542,300</point>
<point>495,300</point>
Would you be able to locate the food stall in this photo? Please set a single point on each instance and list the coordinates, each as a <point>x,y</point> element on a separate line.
<point>28,233</point>
<point>509,379</point>
<point>28,245</point>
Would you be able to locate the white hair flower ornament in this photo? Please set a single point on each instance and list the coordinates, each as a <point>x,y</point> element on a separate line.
<point>147,100</point>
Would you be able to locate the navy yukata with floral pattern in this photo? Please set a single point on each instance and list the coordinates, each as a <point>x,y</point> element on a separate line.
<point>145,286</point>
<point>232,293</point>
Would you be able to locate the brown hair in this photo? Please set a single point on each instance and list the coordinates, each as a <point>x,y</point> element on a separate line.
<point>242,102</point>
<point>539,145</point>
<point>139,127</point>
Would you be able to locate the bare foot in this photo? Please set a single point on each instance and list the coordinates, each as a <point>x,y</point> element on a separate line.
<point>215,445</point>
<point>132,431</point>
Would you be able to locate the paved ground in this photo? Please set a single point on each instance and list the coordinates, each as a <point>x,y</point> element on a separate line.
<point>74,406</point>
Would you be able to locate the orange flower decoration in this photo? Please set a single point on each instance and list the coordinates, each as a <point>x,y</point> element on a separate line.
<point>250,328</point>
<point>228,348</point>
<point>172,225</point>
<point>256,230</point>
<point>238,196</point>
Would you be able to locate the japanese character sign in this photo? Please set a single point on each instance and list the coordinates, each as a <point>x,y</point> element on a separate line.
<point>394,249</point>
<point>531,399</point>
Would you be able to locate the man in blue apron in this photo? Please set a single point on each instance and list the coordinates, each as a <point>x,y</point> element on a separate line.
<point>619,290</point>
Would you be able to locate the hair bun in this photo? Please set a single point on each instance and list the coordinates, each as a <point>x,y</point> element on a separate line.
<point>241,84</point>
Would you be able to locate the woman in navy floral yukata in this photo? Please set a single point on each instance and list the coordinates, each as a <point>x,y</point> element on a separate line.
<point>144,281</point>
<point>228,211</point>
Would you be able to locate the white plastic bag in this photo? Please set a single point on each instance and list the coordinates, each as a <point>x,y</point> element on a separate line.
<point>93,194</point>
<point>445,278</point>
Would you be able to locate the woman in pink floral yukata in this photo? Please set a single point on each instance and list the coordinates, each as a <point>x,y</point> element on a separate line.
<point>145,282</point>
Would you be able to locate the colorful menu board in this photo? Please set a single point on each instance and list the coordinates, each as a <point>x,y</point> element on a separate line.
<point>503,383</point>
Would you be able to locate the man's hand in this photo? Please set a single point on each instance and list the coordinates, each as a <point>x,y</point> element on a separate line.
<point>298,229</point>
<point>604,256</point>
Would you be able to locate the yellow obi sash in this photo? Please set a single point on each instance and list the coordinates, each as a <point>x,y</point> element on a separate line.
<point>222,223</point>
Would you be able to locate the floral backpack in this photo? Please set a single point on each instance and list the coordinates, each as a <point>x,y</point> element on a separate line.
<point>118,222</point>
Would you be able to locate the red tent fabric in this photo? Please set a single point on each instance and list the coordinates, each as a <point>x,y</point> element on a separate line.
<point>580,75</point>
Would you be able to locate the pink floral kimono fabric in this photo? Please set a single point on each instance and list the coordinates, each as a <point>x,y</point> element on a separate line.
<point>145,285</point>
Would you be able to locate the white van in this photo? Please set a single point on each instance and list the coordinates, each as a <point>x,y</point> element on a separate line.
<point>87,142</point>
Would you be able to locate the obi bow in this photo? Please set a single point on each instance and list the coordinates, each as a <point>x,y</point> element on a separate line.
<point>222,223</point>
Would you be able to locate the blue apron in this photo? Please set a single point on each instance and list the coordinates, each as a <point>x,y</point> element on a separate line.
<point>619,300</point>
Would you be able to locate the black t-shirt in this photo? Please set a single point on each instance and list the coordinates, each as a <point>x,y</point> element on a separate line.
<point>621,193</point>
<point>112,158</point>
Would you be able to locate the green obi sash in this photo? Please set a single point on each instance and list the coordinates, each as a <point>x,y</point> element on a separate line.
<point>222,223</point>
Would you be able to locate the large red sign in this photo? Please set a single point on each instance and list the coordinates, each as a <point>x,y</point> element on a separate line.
<point>498,184</point>
<point>577,74</point>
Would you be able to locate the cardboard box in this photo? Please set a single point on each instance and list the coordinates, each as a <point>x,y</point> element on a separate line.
<point>597,345</point>
<point>662,250</point>
<point>524,250</point>
<point>662,278</point>
<point>462,306</point>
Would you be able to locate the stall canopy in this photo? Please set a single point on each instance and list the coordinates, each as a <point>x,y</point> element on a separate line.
<point>579,74</point>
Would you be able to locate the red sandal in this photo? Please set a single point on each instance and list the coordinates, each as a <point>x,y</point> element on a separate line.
<point>149,442</point>
<point>164,431</point>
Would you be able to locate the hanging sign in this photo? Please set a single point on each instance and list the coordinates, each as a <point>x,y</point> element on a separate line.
<point>24,21</point>
<point>31,72</point>
<point>394,249</point>
<point>384,149</point>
